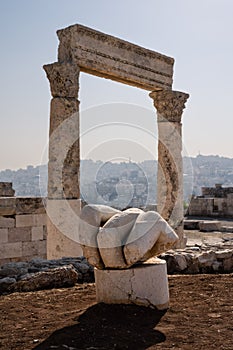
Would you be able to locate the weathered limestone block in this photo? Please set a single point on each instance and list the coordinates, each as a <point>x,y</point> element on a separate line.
<point>91,218</point>
<point>146,284</point>
<point>7,206</point>
<point>150,236</point>
<point>11,250</point>
<point>3,235</point>
<point>6,222</point>
<point>206,259</point>
<point>53,278</point>
<point>31,220</point>
<point>30,205</point>
<point>37,233</point>
<point>112,237</point>
<point>28,273</point>
<point>63,78</point>
<point>181,262</point>
<point>6,189</point>
<point>209,226</point>
<point>22,205</point>
<point>204,262</point>
<point>30,248</point>
<point>19,234</point>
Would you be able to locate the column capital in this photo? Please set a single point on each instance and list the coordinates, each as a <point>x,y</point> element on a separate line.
<point>169,104</point>
<point>63,78</point>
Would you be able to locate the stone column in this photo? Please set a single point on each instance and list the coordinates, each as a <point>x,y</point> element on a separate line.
<point>63,171</point>
<point>170,105</point>
<point>64,156</point>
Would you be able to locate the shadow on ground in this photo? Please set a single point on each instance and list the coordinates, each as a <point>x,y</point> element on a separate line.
<point>109,327</point>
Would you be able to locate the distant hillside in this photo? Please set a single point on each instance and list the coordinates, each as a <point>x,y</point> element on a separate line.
<point>210,170</point>
<point>26,182</point>
<point>100,181</point>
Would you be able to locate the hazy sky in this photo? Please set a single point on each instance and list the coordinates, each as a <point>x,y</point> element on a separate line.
<point>197,33</point>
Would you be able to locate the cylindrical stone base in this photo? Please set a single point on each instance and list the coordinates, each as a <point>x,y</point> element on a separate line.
<point>145,284</point>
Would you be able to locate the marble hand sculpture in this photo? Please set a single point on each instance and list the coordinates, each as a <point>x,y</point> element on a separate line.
<point>119,239</point>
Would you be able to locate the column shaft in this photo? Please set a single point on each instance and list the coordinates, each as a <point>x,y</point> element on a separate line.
<point>170,105</point>
<point>64,152</point>
<point>63,205</point>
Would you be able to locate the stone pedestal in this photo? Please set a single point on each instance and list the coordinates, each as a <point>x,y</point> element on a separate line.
<point>145,284</point>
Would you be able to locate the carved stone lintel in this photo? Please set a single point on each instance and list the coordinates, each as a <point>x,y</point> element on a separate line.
<point>169,104</point>
<point>64,79</point>
<point>109,57</point>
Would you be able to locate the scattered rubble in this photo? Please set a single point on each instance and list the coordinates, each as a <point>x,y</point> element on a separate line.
<point>192,261</point>
<point>44,274</point>
<point>204,253</point>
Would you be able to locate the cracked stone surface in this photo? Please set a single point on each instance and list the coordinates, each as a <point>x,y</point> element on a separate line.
<point>145,284</point>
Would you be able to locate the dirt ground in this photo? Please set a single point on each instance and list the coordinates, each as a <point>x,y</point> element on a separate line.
<point>200,317</point>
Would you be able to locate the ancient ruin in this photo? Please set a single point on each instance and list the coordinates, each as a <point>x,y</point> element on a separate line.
<point>23,252</point>
<point>82,49</point>
<point>23,226</point>
<point>214,202</point>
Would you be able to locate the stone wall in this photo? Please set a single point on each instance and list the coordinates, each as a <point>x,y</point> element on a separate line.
<point>200,206</point>
<point>23,229</point>
<point>218,191</point>
<point>212,207</point>
<point>215,202</point>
